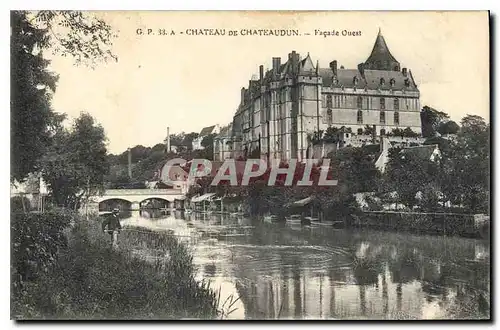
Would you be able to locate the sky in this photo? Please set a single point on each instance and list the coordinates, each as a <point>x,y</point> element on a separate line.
<point>187,82</point>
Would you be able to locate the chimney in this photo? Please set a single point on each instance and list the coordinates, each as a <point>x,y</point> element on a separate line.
<point>261,73</point>
<point>374,134</point>
<point>276,64</point>
<point>289,56</point>
<point>333,66</point>
<point>129,163</point>
<point>168,139</point>
<point>242,95</point>
<point>295,61</point>
<point>405,72</point>
<point>361,69</point>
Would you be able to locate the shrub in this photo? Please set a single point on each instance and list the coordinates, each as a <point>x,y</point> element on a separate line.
<point>36,239</point>
<point>93,281</point>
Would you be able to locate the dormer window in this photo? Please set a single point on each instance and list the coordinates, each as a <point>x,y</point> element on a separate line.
<point>382,81</point>
<point>392,82</point>
<point>407,82</point>
<point>355,80</point>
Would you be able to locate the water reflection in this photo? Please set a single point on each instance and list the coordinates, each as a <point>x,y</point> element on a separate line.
<point>281,272</point>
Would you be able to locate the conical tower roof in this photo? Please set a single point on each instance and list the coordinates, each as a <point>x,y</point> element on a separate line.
<point>381,58</point>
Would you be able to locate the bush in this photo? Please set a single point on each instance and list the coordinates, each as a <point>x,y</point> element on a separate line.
<point>36,239</point>
<point>93,281</point>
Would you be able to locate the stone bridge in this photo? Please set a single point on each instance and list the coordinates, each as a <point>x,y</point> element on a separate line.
<point>136,196</point>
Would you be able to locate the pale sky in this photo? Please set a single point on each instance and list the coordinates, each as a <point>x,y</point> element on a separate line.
<point>189,82</point>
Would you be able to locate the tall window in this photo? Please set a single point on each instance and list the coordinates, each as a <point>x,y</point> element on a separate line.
<point>360,117</point>
<point>396,104</point>
<point>396,118</point>
<point>382,117</point>
<point>360,102</point>
<point>337,101</point>
<point>329,117</point>
<point>329,101</point>
<point>382,103</point>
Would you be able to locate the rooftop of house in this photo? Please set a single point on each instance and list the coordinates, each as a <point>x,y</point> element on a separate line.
<point>380,57</point>
<point>424,151</point>
<point>207,130</point>
<point>380,71</point>
<point>369,79</point>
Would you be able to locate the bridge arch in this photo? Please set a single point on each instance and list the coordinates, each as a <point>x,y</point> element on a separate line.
<point>155,202</point>
<point>111,203</point>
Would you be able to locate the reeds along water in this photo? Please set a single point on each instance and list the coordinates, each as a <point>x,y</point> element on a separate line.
<point>93,281</point>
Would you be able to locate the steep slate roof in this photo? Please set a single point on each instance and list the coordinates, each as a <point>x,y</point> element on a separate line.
<point>207,130</point>
<point>371,80</point>
<point>380,57</point>
<point>424,151</point>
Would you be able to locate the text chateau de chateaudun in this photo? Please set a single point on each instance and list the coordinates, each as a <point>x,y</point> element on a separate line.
<point>280,110</point>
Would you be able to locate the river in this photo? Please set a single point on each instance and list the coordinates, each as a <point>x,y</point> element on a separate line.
<point>279,271</point>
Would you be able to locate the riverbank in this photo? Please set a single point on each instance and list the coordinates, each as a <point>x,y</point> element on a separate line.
<point>440,223</point>
<point>90,280</point>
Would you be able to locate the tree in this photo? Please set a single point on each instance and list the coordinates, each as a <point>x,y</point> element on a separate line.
<point>407,174</point>
<point>75,165</point>
<point>396,132</point>
<point>449,127</point>
<point>408,132</point>
<point>188,140</point>
<point>65,32</point>
<point>31,84</point>
<point>177,139</point>
<point>431,119</point>
<point>368,130</point>
<point>331,135</point>
<point>208,144</point>
<point>466,181</point>
<point>357,170</point>
<point>81,35</point>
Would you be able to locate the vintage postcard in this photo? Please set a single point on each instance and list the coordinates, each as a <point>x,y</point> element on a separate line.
<point>250,165</point>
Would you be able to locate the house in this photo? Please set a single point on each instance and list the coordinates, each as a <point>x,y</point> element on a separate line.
<point>33,188</point>
<point>175,176</point>
<point>214,129</point>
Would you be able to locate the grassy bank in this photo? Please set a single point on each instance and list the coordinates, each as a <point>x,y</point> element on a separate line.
<point>90,280</point>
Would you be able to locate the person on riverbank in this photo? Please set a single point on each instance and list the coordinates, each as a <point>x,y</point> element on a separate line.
<point>112,226</point>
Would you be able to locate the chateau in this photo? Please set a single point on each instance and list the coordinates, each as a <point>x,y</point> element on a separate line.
<point>281,110</point>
